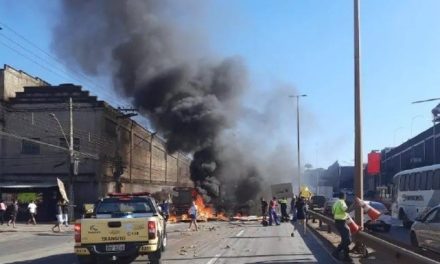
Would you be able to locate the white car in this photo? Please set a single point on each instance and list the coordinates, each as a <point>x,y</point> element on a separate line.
<point>383,222</point>
<point>425,232</point>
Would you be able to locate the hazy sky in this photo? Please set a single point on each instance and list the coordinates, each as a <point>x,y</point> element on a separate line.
<point>307,44</point>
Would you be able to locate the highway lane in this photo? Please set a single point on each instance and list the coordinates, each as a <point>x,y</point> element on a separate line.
<point>216,242</point>
<point>247,242</point>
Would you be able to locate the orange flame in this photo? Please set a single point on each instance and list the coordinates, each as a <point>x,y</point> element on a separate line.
<point>205,211</point>
<point>222,217</point>
<point>172,219</point>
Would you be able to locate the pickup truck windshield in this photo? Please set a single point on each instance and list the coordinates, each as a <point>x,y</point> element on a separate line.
<point>124,206</point>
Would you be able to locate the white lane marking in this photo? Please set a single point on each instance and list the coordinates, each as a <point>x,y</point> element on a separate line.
<point>240,233</point>
<point>214,259</point>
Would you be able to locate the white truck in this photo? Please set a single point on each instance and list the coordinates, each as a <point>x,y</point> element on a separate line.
<point>282,190</point>
<point>326,191</point>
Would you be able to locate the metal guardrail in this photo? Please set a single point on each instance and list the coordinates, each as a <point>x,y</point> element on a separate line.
<point>377,243</point>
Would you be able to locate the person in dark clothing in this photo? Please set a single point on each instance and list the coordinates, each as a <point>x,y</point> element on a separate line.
<point>293,208</point>
<point>301,213</point>
<point>264,206</point>
<point>284,214</point>
<point>14,212</point>
<point>165,210</point>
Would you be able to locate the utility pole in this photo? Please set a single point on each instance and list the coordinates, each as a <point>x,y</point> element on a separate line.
<point>118,168</point>
<point>71,162</point>
<point>151,155</point>
<point>298,144</point>
<point>118,164</point>
<point>359,177</point>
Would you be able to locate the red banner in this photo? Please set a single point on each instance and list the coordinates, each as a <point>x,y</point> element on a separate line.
<point>373,167</point>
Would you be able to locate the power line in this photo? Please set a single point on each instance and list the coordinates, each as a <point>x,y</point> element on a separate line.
<point>33,61</point>
<point>88,155</point>
<point>40,49</point>
<point>71,72</point>
<point>52,131</point>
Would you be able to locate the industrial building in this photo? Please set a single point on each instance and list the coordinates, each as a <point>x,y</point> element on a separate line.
<point>112,152</point>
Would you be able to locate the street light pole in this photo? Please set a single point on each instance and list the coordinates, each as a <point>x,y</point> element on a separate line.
<point>412,122</point>
<point>359,177</point>
<point>298,139</point>
<point>71,163</point>
<point>394,135</point>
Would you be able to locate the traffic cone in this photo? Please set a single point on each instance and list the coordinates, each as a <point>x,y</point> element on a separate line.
<point>372,213</point>
<point>354,228</point>
<point>360,202</point>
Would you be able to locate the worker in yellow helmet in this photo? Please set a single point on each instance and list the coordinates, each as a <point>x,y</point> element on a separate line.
<point>340,215</point>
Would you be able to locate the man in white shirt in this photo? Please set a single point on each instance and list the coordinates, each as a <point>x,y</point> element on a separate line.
<point>32,207</point>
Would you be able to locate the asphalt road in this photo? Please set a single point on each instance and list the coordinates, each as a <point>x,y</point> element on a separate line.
<point>214,243</point>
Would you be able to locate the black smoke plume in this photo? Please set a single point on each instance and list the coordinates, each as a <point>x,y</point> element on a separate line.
<point>189,97</point>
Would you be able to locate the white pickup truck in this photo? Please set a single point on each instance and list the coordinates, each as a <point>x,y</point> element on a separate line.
<point>123,227</point>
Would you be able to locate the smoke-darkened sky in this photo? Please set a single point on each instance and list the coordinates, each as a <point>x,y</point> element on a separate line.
<point>301,43</point>
<point>194,99</point>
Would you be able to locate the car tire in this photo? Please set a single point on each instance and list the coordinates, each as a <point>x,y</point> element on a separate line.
<point>155,257</point>
<point>386,228</point>
<point>405,221</point>
<point>164,241</point>
<point>407,224</point>
<point>414,241</point>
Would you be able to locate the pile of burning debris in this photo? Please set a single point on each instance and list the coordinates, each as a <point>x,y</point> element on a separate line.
<point>206,212</point>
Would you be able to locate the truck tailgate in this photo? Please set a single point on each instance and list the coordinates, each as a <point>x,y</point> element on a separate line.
<point>96,231</point>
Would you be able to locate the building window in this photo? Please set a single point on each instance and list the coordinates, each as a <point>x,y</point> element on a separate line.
<point>30,148</point>
<point>429,180</point>
<point>417,185</point>
<point>402,183</point>
<point>423,177</point>
<point>76,143</point>
<point>436,180</point>
<point>407,182</point>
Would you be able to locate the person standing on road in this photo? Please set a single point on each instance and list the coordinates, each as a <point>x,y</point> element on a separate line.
<point>301,215</point>
<point>264,206</point>
<point>293,208</point>
<point>14,212</point>
<point>165,206</point>
<point>273,217</point>
<point>32,207</point>
<point>193,214</point>
<point>2,211</point>
<point>340,215</point>
<point>283,205</point>
<point>64,210</point>
<point>59,214</point>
